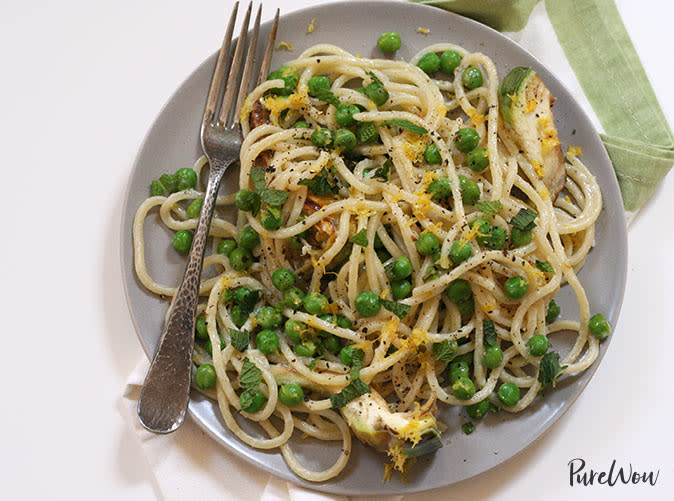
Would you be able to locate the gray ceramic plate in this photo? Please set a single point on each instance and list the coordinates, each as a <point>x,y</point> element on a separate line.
<point>173,142</point>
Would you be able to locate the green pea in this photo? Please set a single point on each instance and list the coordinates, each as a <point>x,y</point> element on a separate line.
<point>478,410</point>
<point>209,347</point>
<point>246,297</point>
<point>271,219</point>
<point>432,154</point>
<point>470,190</point>
<point>466,308</point>
<point>428,244</point>
<point>515,287</point>
<point>538,345</point>
<point>484,230</point>
<point>194,208</point>
<point>283,279</point>
<point>377,93</point>
<point>300,124</point>
<point>344,322</point>
<point>367,304</point>
<point>344,115</point>
<point>186,179</point>
<point>157,189</point>
<point>332,343</point>
<point>459,290</point>
<point>252,400</point>
<point>182,241</point>
<point>478,159</point>
<point>200,328</point>
<point>459,252</point>
<point>449,61</point>
<point>268,317</point>
<point>458,370</point>
<point>238,315</point>
<point>267,341</point>
<point>205,377</point>
<point>553,312</point>
<point>318,84</point>
<point>471,78</point>
<point>248,238</point>
<point>389,42</point>
<point>322,138</point>
<point>400,268</point>
<point>463,388</point>
<point>240,259</point>
<point>366,132</point>
<point>429,63</point>
<point>497,239</point>
<point>492,356</point>
<point>466,139</point>
<point>169,180</point>
<point>293,298</point>
<point>401,289</point>
<point>509,394</point>
<point>306,349</point>
<point>226,246</point>
<point>345,139</point>
<point>315,303</point>
<point>294,330</point>
<point>346,355</point>
<point>440,188</point>
<point>599,326</point>
<point>290,78</point>
<point>520,238</point>
<point>290,394</point>
<point>246,200</point>
<point>330,318</point>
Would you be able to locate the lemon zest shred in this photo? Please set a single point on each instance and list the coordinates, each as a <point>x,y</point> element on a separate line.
<point>531,106</point>
<point>311,27</point>
<point>423,31</point>
<point>575,150</point>
<point>285,46</point>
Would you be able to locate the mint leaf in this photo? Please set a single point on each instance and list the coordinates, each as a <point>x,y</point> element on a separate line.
<point>407,125</point>
<point>549,369</point>
<point>545,266</point>
<point>250,376</point>
<point>275,198</point>
<point>490,208</point>
<point>524,220</point>
<point>445,351</point>
<point>355,389</point>
<point>399,310</point>
<point>320,184</point>
<point>489,332</point>
<point>257,175</point>
<point>240,339</point>
<point>360,238</point>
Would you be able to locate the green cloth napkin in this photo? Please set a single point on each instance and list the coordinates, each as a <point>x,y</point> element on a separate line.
<point>598,48</point>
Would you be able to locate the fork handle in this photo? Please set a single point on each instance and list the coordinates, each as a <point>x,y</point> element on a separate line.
<point>166,391</point>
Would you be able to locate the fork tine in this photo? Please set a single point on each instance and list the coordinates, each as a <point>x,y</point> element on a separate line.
<point>248,67</point>
<point>264,67</point>
<point>221,67</point>
<point>233,77</point>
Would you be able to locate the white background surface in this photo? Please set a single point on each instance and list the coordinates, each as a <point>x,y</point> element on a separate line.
<point>80,85</point>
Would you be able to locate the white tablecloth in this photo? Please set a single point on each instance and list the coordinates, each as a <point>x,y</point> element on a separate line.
<point>81,84</point>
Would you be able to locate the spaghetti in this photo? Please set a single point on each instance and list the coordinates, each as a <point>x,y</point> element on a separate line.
<point>338,217</point>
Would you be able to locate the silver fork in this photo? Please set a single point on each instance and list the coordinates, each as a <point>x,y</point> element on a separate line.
<point>165,394</point>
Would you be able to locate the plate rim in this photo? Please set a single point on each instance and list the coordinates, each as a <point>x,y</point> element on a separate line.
<point>409,489</point>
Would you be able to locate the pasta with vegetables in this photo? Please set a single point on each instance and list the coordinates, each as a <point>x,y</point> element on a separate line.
<point>402,230</point>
